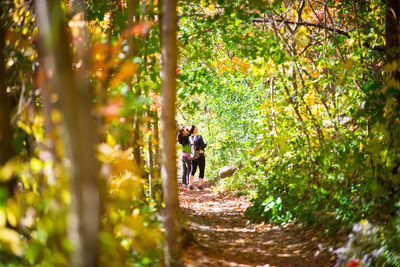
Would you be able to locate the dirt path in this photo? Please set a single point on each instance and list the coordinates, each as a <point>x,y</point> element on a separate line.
<point>224,237</point>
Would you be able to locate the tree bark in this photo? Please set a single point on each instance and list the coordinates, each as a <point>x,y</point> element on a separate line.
<point>78,133</point>
<point>150,158</point>
<point>392,38</point>
<point>157,190</point>
<point>173,248</point>
<point>46,91</point>
<point>6,130</point>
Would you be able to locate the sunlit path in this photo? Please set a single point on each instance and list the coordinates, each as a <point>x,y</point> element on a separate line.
<point>224,237</point>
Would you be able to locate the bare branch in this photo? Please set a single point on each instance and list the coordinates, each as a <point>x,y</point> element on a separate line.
<point>303,23</point>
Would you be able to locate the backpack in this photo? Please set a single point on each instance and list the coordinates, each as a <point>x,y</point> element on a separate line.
<point>193,154</point>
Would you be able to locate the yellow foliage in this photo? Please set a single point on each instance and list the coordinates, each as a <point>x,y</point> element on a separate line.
<point>10,241</point>
<point>310,98</point>
<point>12,212</point>
<point>315,74</point>
<point>349,64</point>
<point>129,187</point>
<point>36,165</point>
<point>3,219</point>
<point>141,142</point>
<point>37,128</point>
<point>110,140</point>
<point>24,127</point>
<point>8,170</point>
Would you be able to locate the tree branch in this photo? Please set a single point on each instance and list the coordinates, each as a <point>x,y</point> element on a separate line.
<point>309,24</point>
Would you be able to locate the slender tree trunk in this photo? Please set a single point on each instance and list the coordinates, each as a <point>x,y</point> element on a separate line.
<point>78,133</point>
<point>6,130</point>
<point>105,83</point>
<point>132,52</point>
<point>149,124</point>
<point>157,154</point>
<point>150,157</point>
<point>173,251</point>
<point>157,190</point>
<point>156,128</point>
<point>273,113</point>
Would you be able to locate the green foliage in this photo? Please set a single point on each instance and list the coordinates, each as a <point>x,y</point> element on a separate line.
<point>308,110</point>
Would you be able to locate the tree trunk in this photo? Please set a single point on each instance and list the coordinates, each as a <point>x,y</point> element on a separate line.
<point>157,189</point>
<point>392,39</point>
<point>173,248</point>
<point>78,133</point>
<point>150,158</point>
<point>132,52</point>
<point>6,130</point>
<point>157,154</point>
<point>45,95</point>
<point>103,85</point>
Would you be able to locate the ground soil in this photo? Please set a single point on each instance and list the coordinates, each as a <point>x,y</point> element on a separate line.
<point>222,236</point>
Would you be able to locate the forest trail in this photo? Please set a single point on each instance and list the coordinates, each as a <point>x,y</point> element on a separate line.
<point>224,237</point>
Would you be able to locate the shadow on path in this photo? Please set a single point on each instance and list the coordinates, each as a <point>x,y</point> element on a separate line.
<point>224,237</point>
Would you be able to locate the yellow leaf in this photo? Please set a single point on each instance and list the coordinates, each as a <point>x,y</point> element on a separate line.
<point>12,218</point>
<point>10,241</point>
<point>110,140</point>
<point>12,212</point>
<point>8,170</point>
<point>3,219</point>
<point>37,128</point>
<point>36,165</point>
<point>24,127</point>
<point>66,197</point>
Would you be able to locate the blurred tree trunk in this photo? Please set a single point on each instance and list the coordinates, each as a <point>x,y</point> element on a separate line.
<point>6,130</point>
<point>392,38</point>
<point>46,90</point>
<point>173,251</point>
<point>78,131</point>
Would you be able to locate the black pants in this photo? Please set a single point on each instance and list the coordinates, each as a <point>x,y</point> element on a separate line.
<point>186,167</point>
<point>201,162</point>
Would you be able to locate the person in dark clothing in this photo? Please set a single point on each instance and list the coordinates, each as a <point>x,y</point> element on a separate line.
<point>183,139</point>
<point>201,161</point>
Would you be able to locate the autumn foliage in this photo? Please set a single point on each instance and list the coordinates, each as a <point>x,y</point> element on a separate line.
<point>306,93</point>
